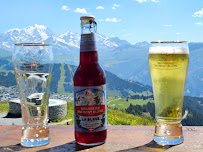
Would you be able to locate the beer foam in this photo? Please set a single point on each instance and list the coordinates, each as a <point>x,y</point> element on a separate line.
<point>168,50</point>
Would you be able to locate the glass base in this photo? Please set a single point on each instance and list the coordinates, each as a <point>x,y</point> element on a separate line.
<point>168,141</point>
<point>35,142</point>
<point>35,135</point>
<point>168,134</point>
<point>91,144</point>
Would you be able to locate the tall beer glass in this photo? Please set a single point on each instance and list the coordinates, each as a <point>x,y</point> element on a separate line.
<point>33,64</point>
<point>168,63</point>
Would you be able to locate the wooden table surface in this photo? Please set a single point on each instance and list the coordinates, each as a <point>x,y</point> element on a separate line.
<point>119,138</point>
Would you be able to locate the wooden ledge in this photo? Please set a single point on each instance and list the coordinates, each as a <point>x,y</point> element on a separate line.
<point>120,138</point>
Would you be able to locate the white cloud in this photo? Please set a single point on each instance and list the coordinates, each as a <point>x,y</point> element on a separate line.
<point>155,1</point>
<point>142,1</point>
<point>111,20</point>
<point>115,6</point>
<point>168,25</point>
<point>65,8</point>
<point>199,23</point>
<point>100,7</point>
<point>198,13</point>
<point>80,10</point>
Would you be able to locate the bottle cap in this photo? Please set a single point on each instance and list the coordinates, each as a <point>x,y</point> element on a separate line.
<point>89,17</point>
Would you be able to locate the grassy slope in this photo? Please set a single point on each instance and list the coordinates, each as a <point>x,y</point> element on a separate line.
<point>123,104</point>
<point>4,106</point>
<point>114,117</point>
<point>71,70</point>
<point>70,112</point>
<point>61,81</point>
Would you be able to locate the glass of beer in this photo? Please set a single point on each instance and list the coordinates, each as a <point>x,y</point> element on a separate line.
<point>168,63</point>
<point>32,64</point>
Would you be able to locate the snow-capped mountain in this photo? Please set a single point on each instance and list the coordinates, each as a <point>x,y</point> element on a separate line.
<point>36,33</point>
<point>62,43</point>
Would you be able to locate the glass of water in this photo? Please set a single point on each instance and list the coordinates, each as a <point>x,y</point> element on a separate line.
<point>32,64</point>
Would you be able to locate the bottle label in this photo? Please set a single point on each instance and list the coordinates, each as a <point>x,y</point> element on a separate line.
<point>87,43</point>
<point>90,108</point>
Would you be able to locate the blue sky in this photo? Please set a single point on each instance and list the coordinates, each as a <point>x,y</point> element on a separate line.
<point>132,20</point>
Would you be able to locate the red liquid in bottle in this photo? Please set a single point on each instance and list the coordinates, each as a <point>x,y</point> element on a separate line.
<point>88,74</point>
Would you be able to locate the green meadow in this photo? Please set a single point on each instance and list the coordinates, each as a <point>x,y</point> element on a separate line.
<point>122,103</point>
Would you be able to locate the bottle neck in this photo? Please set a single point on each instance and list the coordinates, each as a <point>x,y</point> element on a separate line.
<point>88,50</point>
<point>89,57</point>
<point>88,26</point>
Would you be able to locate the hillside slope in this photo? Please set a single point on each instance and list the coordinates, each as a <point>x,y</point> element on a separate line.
<point>62,83</point>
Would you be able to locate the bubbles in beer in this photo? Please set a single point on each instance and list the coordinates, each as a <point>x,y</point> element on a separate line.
<point>168,68</point>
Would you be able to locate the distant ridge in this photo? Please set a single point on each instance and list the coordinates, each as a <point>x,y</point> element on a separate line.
<point>115,85</point>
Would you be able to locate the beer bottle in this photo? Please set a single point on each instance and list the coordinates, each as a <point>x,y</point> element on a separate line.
<point>90,110</point>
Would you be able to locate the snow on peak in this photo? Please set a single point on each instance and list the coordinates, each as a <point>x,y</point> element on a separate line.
<point>40,33</point>
<point>35,28</point>
<point>14,30</point>
<point>70,38</point>
<point>40,26</point>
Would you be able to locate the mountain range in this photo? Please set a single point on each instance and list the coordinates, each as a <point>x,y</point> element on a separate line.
<point>117,56</point>
<point>62,80</point>
<point>62,43</point>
